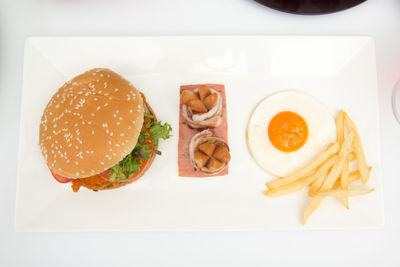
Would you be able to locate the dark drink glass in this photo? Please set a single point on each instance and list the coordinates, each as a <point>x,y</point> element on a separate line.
<point>310,7</point>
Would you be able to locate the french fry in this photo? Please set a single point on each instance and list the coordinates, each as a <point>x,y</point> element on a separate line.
<point>289,188</point>
<point>344,181</point>
<point>332,149</point>
<point>344,193</point>
<point>334,173</point>
<point>351,156</point>
<point>331,177</point>
<point>322,172</point>
<point>358,150</point>
<point>340,127</point>
<point>353,177</point>
<point>311,207</point>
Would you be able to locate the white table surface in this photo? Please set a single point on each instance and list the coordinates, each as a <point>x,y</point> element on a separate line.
<point>22,18</point>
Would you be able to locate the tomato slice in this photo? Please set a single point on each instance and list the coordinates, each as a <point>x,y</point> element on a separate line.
<point>60,179</point>
<point>105,174</point>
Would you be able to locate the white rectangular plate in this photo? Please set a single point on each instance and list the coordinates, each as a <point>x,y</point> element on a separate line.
<point>339,71</point>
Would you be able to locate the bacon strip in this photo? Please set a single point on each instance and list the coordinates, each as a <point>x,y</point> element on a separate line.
<point>199,138</point>
<point>212,118</point>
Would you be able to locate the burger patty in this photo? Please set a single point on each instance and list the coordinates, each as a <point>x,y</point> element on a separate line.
<point>95,183</point>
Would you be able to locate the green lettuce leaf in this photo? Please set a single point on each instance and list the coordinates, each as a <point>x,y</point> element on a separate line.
<point>132,162</point>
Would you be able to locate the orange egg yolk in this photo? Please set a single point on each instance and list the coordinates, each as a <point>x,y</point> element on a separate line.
<point>287,131</point>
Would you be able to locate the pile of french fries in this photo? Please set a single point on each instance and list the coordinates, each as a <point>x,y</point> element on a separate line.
<point>328,174</point>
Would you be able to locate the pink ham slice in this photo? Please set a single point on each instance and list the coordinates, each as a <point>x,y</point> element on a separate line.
<point>186,133</point>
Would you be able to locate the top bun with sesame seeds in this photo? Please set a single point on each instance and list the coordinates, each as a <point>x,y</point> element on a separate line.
<point>90,124</point>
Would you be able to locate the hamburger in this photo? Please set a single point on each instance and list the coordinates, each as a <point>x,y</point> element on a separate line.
<point>98,131</point>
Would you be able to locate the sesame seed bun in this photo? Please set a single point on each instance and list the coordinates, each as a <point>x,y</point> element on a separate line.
<point>90,124</point>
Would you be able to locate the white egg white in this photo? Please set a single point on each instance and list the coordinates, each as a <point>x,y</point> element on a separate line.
<point>321,132</point>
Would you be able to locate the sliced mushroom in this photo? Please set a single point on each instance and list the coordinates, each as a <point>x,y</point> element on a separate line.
<point>221,153</point>
<point>207,148</point>
<point>204,91</point>
<point>200,158</point>
<point>197,105</point>
<point>210,100</point>
<point>188,96</point>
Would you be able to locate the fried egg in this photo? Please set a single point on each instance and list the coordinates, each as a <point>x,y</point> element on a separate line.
<point>287,130</point>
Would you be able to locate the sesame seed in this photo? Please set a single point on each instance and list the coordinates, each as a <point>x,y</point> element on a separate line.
<point>111,134</point>
<point>92,114</point>
<point>105,125</point>
<point>77,174</point>
<point>92,132</point>
<point>76,163</point>
<point>109,142</point>
<point>120,118</point>
<point>102,163</point>
<point>98,108</point>
<point>116,89</point>
<point>118,123</point>
<point>122,134</point>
